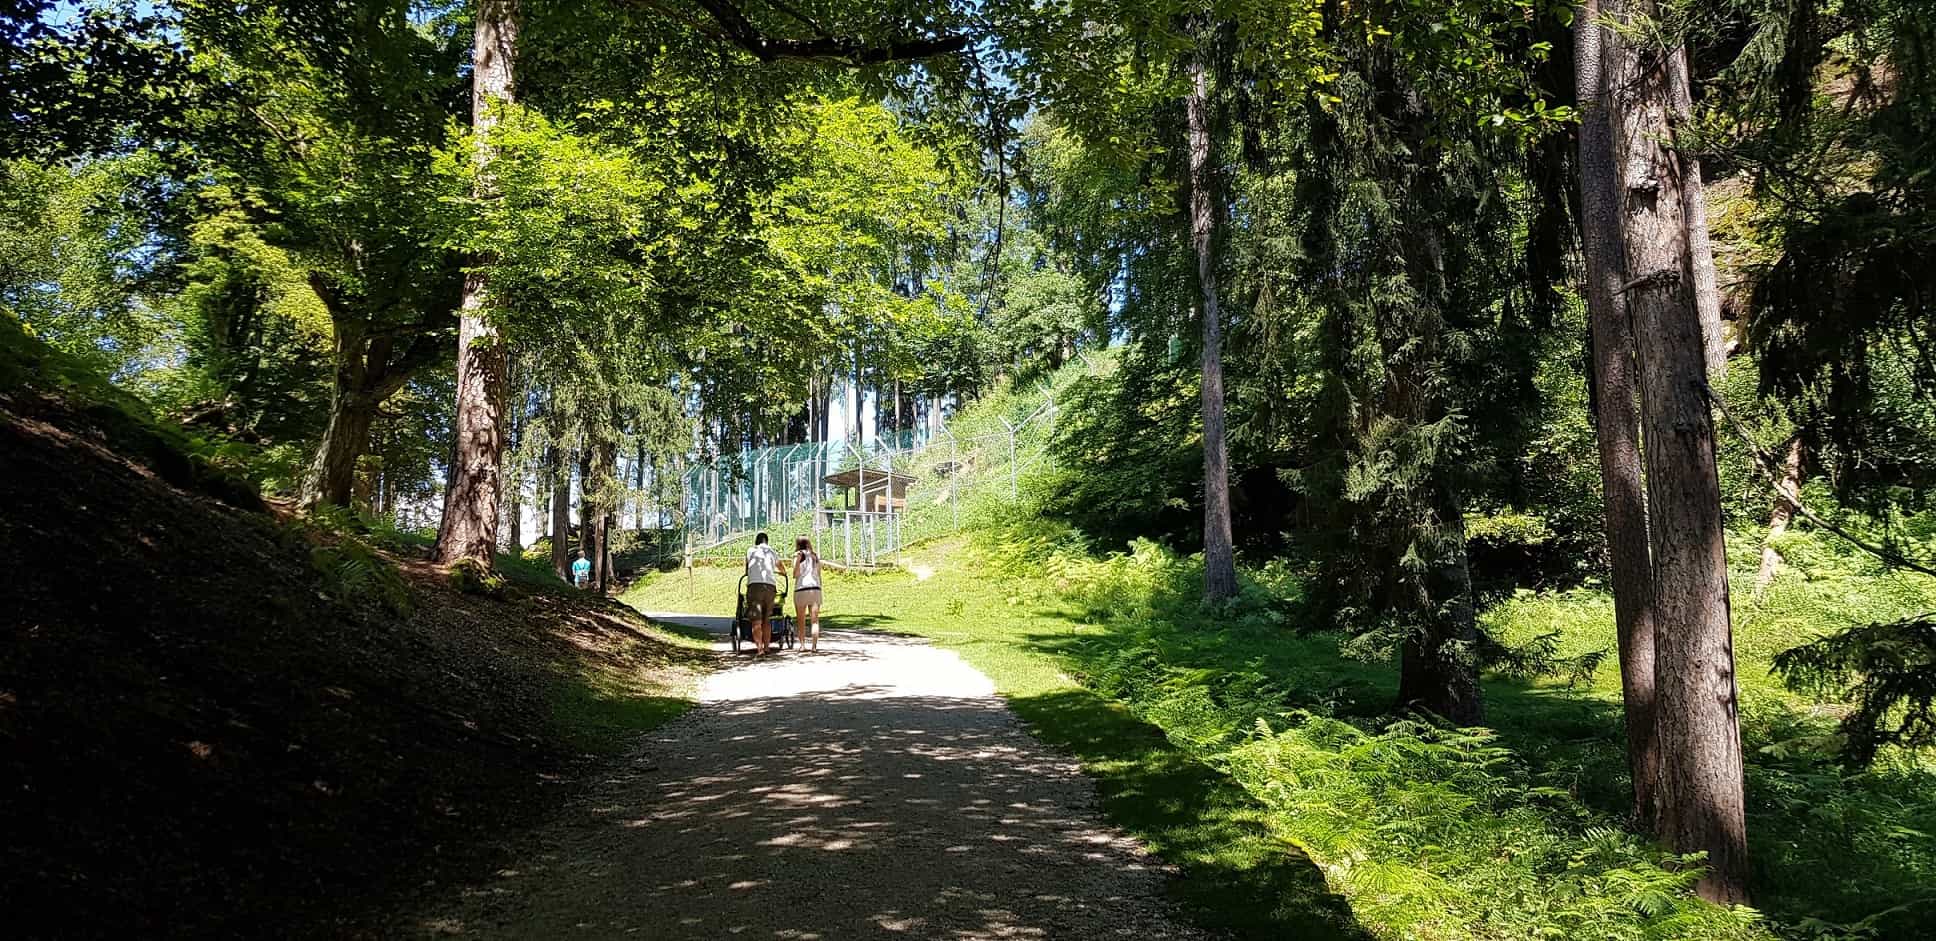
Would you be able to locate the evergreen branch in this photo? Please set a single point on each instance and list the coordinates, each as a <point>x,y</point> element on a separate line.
<point>1768,465</point>
<point>740,31</point>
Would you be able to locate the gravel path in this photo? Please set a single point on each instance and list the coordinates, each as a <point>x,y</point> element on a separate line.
<point>876,789</point>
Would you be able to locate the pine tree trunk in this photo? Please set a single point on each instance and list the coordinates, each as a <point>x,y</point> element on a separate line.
<point>469,526</point>
<point>1616,412</point>
<point>1696,722</point>
<point>560,511</point>
<point>1219,563</point>
<point>1788,492</point>
<point>1707,288</point>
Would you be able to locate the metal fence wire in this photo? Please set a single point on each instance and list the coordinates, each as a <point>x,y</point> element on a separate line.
<point>860,503</point>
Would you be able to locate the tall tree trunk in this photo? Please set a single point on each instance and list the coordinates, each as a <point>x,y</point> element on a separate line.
<point>606,508</point>
<point>332,472</point>
<point>560,465</point>
<point>1788,494</point>
<point>1696,721</point>
<point>514,514</point>
<point>1219,562</point>
<point>637,488</point>
<point>587,504</point>
<point>469,526</point>
<point>363,377</point>
<point>1437,671</point>
<point>1707,288</point>
<point>1616,411</point>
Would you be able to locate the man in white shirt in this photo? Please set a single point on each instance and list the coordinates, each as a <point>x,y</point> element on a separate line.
<point>762,590</point>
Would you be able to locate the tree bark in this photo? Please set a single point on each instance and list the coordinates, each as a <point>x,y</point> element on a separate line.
<point>637,486</point>
<point>332,472</point>
<point>606,473</point>
<point>1438,666</point>
<point>1219,563</point>
<point>1788,492</point>
<point>587,504</point>
<point>468,530</point>
<point>560,511</point>
<point>1696,722</point>
<point>514,511</point>
<point>1707,288</point>
<point>368,370</point>
<point>1616,412</point>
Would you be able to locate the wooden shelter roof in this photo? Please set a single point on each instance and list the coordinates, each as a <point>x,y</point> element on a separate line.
<point>875,479</point>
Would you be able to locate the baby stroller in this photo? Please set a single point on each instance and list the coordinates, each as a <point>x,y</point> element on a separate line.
<point>780,625</point>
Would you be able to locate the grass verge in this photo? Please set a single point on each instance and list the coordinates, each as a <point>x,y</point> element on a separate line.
<point>603,709</point>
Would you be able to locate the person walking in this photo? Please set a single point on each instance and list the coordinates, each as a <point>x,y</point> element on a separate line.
<point>806,589</point>
<point>581,570</point>
<point>762,590</point>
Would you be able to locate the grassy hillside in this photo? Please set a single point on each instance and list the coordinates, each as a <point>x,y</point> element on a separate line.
<point>217,720</point>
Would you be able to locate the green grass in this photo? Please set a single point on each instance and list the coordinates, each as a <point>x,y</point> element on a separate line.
<point>1234,874</point>
<point>636,687</point>
<point>1111,661</point>
<point>601,714</point>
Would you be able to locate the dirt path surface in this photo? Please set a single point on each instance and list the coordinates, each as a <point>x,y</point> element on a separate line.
<point>876,789</point>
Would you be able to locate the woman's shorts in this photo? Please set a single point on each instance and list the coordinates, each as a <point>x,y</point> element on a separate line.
<point>806,598</point>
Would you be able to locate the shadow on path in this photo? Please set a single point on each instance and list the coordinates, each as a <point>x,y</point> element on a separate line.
<point>876,789</point>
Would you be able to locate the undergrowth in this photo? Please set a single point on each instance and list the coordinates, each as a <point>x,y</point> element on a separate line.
<point>1516,830</point>
<point>1430,832</point>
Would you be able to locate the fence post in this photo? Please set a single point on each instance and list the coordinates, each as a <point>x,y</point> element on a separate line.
<point>860,487</point>
<point>954,478</point>
<point>1013,492</point>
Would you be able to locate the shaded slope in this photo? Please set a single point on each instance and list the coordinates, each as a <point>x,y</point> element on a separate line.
<point>200,734</point>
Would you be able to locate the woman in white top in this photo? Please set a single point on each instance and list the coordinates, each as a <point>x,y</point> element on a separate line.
<point>806,588</point>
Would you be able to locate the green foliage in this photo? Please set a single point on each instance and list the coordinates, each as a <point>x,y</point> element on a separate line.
<point>472,578</point>
<point>355,575</point>
<point>29,368</point>
<point>70,267</point>
<point>1888,669</point>
<point>1435,833</point>
<point>353,572</point>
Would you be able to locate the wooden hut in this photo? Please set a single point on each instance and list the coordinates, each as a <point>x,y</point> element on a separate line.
<point>876,491</point>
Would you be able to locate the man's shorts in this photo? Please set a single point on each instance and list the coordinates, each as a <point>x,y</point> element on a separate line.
<point>760,601</point>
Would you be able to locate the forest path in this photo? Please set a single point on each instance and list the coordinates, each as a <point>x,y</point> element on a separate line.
<point>876,789</point>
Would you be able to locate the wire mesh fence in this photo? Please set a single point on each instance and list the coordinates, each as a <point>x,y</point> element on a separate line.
<point>862,504</point>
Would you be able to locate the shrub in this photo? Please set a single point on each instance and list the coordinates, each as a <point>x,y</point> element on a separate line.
<point>467,576</point>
